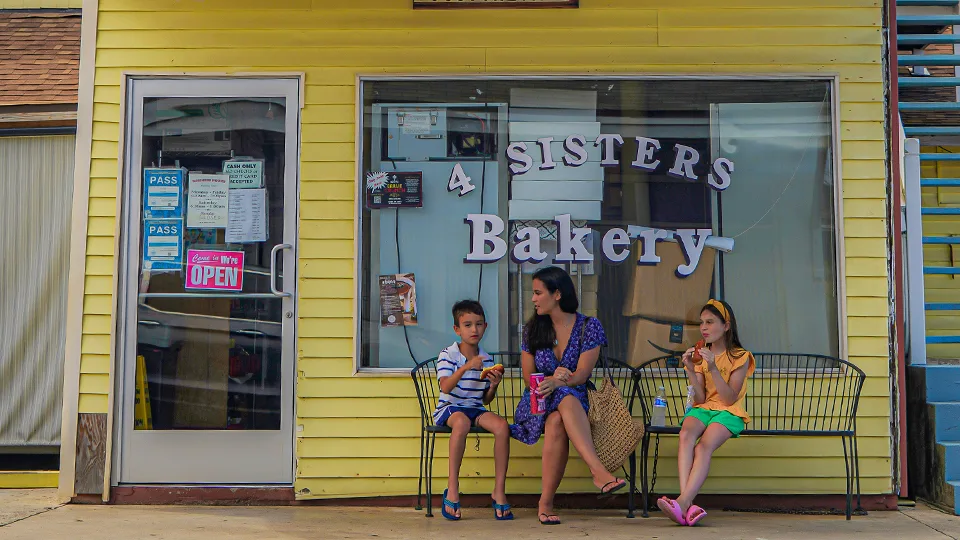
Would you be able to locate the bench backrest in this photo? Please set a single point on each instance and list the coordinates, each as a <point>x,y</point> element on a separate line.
<point>511,388</point>
<point>787,392</point>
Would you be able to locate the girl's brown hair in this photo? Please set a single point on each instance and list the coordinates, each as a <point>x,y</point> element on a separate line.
<point>731,337</point>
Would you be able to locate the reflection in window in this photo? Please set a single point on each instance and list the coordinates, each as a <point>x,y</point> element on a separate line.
<point>511,139</point>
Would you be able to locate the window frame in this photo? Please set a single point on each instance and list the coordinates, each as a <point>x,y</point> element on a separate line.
<point>832,80</point>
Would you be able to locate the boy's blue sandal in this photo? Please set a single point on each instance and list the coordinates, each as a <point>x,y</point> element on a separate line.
<point>505,513</point>
<point>454,505</point>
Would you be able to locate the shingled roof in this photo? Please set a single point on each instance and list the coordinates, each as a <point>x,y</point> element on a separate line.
<point>39,57</point>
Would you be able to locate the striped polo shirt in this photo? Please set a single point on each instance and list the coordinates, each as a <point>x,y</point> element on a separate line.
<point>469,390</point>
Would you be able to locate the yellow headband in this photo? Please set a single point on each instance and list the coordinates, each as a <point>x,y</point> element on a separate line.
<point>721,309</point>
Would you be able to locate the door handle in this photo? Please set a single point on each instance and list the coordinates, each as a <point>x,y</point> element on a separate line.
<point>273,270</point>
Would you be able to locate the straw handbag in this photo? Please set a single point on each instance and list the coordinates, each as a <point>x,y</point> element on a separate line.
<point>616,433</point>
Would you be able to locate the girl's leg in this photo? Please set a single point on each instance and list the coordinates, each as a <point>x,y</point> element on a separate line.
<point>691,430</point>
<point>714,436</point>
<point>501,452</point>
<point>577,425</point>
<point>460,425</point>
<point>556,450</point>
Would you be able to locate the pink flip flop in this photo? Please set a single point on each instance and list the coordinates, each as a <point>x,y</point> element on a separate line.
<point>694,515</point>
<point>672,509</point>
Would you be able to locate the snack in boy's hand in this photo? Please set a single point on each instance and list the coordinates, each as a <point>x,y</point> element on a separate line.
<point>696,351</point>
<point>495,367</point>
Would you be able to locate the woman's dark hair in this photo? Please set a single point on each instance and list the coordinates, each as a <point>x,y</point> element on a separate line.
<point>539,330</point>
<point>731,337</point>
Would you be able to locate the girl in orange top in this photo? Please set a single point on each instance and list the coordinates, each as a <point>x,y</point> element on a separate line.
<point>718,373</point>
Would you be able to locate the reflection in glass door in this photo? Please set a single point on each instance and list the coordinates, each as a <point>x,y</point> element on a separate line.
<point>210,229</point>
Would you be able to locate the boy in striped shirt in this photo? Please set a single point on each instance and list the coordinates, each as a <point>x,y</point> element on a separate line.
<point>463,394</point>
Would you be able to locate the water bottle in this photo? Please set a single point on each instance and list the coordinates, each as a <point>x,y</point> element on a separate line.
<point>689,400</point>
<point>659,409</point>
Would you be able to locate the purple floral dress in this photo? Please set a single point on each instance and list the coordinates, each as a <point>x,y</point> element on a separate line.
<point>529,427</point>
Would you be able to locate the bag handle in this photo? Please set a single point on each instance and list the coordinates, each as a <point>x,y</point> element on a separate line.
<point>605,365</point>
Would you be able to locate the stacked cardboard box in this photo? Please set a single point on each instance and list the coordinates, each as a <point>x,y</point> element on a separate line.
<point>664,308</point>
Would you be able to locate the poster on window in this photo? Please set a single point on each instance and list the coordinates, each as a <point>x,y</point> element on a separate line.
<point>208,198</point>
<point>398,300</point>
<point>394,189</point>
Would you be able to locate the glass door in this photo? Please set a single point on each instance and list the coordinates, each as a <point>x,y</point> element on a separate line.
<point>208,295</point>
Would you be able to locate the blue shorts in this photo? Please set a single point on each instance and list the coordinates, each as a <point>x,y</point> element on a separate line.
<point>471,413</point>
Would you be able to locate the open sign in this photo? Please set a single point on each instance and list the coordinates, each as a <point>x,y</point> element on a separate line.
<point>214,270</point>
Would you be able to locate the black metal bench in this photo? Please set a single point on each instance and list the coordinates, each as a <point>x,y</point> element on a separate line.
<point>511,390</point>
<point>788,395</point>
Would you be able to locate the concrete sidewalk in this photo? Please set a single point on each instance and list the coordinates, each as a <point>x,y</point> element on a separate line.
<point>263,523</point>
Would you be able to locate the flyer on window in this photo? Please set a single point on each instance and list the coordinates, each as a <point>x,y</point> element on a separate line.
<point>398,300</point>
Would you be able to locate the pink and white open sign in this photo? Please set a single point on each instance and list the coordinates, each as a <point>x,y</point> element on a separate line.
<point>214,270</point>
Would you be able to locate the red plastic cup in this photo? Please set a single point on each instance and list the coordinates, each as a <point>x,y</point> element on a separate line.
<point>537,402</point>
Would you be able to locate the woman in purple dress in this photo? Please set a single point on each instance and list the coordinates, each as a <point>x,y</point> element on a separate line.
<point>563,345</point>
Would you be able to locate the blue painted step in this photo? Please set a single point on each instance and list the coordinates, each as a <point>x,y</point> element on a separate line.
<point>947,416</point>
<point>939,156</point>
<point>923,39</point>
<point>951,460</point>
<point>927,82</point>
<point>943,385</point>
<point>929,60</point>
<point>927,20</point>
<point>931,105</point>
<point>926,2</point>
<point>940,182</point>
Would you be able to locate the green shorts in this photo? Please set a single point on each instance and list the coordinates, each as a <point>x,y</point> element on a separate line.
<point>726,419</point>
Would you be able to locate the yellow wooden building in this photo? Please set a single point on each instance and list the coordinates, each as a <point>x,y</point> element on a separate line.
<point>292,378</point>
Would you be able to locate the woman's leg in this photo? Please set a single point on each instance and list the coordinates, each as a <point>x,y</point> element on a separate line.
<point>460,425</point>
<point>577,425</point>
<point>714,436</point>
<point>556,450</point>
<point>501,452</point>
<point>690,432</point>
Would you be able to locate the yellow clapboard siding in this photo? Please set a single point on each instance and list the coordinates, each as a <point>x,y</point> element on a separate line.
<point>374,37</point>
<point>327,229</point>
<point>27,479</point>
<point>333,44</point>
<point>95,363</point>
<point>720,468</point>
<point>92,403</point>
<point>94,383</point>
<point>335,430</point>
<point>307,488</point>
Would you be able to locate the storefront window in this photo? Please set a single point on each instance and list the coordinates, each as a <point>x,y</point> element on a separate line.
<point>729,183</point>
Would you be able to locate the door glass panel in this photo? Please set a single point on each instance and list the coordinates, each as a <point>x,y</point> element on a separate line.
<point>209,337</point>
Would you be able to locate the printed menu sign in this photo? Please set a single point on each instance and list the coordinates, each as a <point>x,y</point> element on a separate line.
<point>395,189</point>
<point>207,200</point>
<point>247,220</point>
<point>398,300</point>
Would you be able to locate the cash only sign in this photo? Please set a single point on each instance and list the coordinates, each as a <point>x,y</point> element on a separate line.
<point>487,245</point>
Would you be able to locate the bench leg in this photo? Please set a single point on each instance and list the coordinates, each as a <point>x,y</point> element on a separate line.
<point>631,504</point>
<point>430,452</point>
<point>423,450</point>
<point>856,469</point>
<point>846,466</point>
<point>644,454</point>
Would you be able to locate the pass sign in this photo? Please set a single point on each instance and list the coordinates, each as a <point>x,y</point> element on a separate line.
<point>214,270</point>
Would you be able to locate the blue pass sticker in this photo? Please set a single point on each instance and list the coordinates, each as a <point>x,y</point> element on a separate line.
<point>162,244</point>
<point>162,193</point>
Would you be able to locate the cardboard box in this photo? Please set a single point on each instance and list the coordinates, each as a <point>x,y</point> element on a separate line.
<point>657,292</point>
<point>651,339</point>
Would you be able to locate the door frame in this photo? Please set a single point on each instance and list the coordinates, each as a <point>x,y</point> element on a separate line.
<point>129,196</point>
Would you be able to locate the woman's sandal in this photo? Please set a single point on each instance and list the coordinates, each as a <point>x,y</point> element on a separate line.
<point>451,504</point>
<point>548,520</point>
<point>672,510</point>
<point>504,509</point>
<point>604,492</point>
<point>694,515</point>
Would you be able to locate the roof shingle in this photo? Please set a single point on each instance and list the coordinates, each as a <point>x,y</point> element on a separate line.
<point>40,57</point>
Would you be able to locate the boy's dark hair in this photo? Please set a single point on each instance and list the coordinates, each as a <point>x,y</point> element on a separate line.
<point>463,307</point>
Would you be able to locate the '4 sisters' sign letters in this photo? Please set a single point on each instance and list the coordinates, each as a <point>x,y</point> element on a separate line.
<point>485,229</point>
